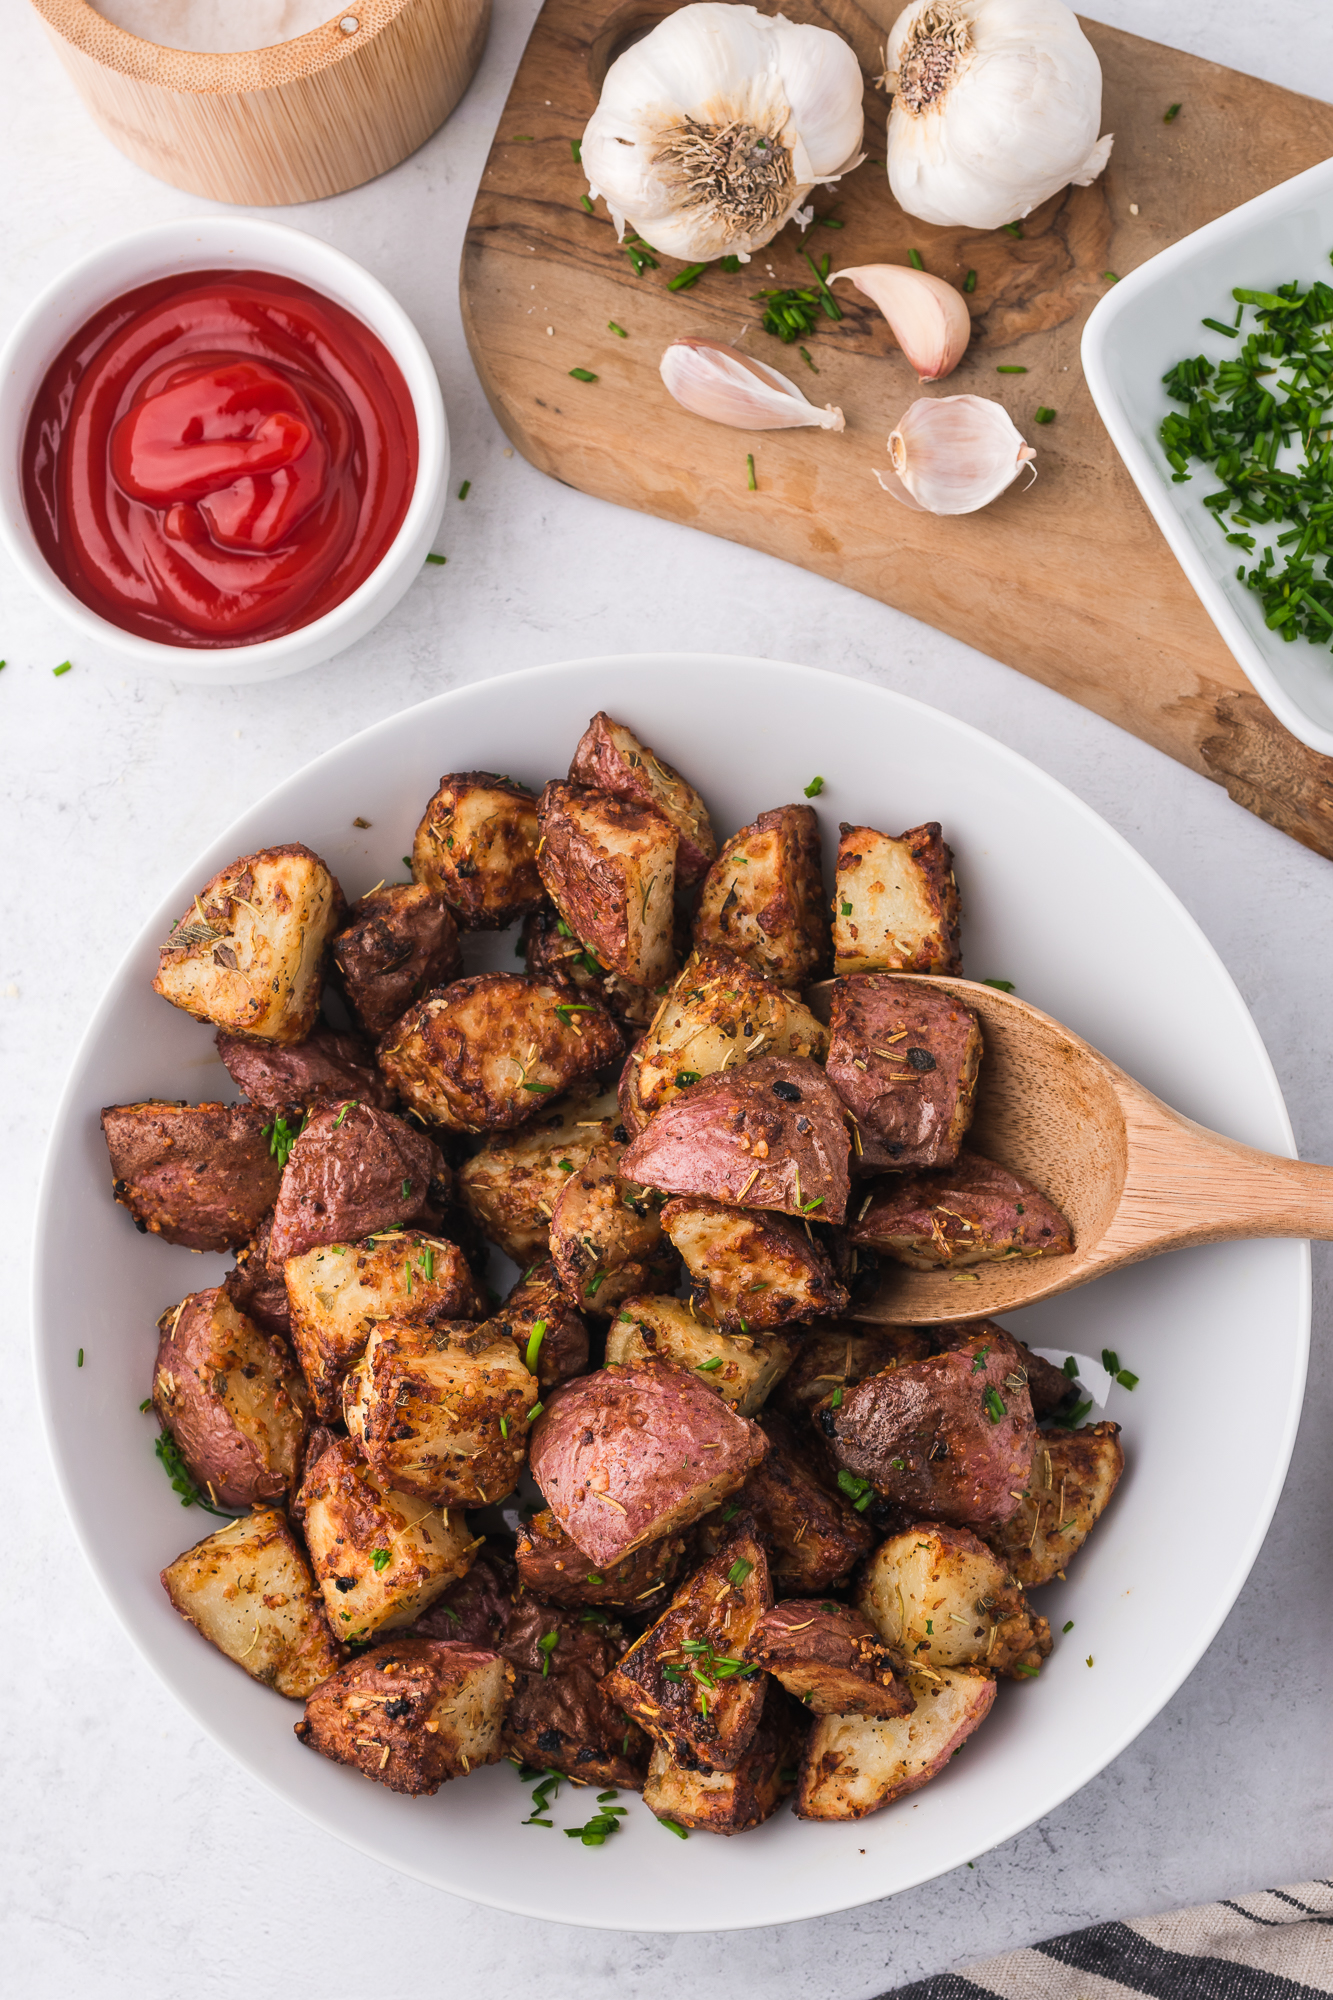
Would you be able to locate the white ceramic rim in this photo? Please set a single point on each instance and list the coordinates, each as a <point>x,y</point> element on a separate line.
<point>1149,474</point>
<point>821,684</point>
<point>212,242</point>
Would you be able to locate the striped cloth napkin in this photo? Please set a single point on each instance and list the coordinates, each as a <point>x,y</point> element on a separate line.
<point>1276,1944</point>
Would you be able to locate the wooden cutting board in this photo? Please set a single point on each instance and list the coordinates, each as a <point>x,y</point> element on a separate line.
<point>1069,580</point>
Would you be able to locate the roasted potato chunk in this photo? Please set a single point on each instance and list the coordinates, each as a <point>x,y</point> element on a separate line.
<point>686,1681</point>
<point>629,1455</point>
<point>903,1057</point>
<point>475,1610</point>
<point>942,1599</point>
<point>380,1557</point>
<point>974,1212</point>
<point>512,1185</point>
<point>840,1356</point>
<point>1071,1479</point>
<point>399,942</point>
<point>829,1658</point>
<point>742,1368</point>
<point>549,1335</point>
<point>412,1713</point>
<point>610,758</point>
<point>200,1175</point>
<point>484,1054</point>
<point>763,898</point>
<point>769,1135</point>
<point>477,847</point>
<point>731,1801</point>
<point>249,954</point>
<point>232,1399</point>
<point>854,1764</point>
<point>750,1270</point>
<point>610,870</point>
<point>815,1537</point>
<point>351,1171</point>
<point>719,1014</point>
<point>551,1567</point>
<point>948,1438</point>
<point>551,951</point>
<point>249,1590</point>
<point>339,1292</point>
<point>255,1289</point>
<point>442,1411</point>
<point>606,1236</point>
<point>325,1067</point>
<point>895,902</point>
<point>561,1718</point>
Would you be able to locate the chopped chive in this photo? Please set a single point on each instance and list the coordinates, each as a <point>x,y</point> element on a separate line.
<point>1000,985</point>
<point>586,204</point>
<point>995,1405</point>
<point>1043,415</point>
<point>1110,1361</point>
<point>751,482</point>
<point>1126,1378</point>
<point>576,148</point>
<point>915,260</point>
<point>1111,277</point>
<point>534,1413</point>
<point>433,558</point>
<point>350,1105</point>
<point>684,279</point>
<point>730,265</point>
<point>1010,368</point>
<point>380,1559</point>
<point>835,1400</point>
<point>522,139</point>
<point>535,1339</point>
<point>583,375</point>
<point>63,668</point>
<point>685,1077</point>
<point>804,353</point>
<point>970,282</point>
<point>828,302</point>
<point>1220,326</point>
<point>739,1571</point>
<point>680,1832</point>
<point>707,1367</point>
<point>79,1362</point>
<point>619,331</point>
<point>814,788</point>
<point>1028,1673</point>
<point>546,1645</point>
<point>831,222</point>
<point>1012,228</point>
<point>1172,113</point>
<point>463,492</point>
<point>845,907</point>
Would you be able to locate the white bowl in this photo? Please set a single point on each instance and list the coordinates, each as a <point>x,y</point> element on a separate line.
<point>1139,330</point>
<point>215,243</point>
<point>1056,902</point>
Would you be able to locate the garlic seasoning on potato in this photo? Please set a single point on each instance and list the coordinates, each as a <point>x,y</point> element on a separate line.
<point>953,454</point>
<point>996,105</point>
<point>712,131</point>
<point>927,318</point>
<point>728,387</point>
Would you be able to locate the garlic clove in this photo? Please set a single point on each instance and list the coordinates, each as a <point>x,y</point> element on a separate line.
<point>928,318</point>
<point>892,484</point>
<point>719,382</point>
<point>953,454</point>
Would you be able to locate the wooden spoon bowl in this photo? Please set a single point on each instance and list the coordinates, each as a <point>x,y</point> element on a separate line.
<point>1132,1176</point>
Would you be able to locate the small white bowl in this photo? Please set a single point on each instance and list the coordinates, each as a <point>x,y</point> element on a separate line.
<point>215,243</point>
<point>1139,330</point>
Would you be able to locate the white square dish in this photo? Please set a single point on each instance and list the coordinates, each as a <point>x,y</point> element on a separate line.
<point>1139,330</point>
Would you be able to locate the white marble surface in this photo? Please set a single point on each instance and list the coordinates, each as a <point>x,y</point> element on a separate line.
<point>136,1859</point>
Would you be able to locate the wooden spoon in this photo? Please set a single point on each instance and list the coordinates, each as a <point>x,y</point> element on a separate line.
<point>1132,1176</point>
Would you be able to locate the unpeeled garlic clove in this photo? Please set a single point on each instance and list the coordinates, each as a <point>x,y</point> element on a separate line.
<point>927,318</point>
<point>728,387</point>
<point>953,454</point>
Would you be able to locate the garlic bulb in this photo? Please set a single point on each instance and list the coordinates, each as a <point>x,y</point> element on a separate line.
<point>728,387</point>
<point>928,318</point>
<point>953,454</point>
<point>996,105</point>
<point>712,131</point>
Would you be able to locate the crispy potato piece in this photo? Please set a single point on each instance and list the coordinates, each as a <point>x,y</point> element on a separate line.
<point>815,1537</point>
<point>249,1590</point>
<point>485,1054</point>
<point>442,1411</point>
<point>947,1438</point>
<point>942,1598</point>
<point>742,1368</point>
<point>551,951</point>
<point>232,1399</point>
<point>477,847</point>
<point>839,1356</point>
<point>895,902</point>
<point>610,870</point>
<point>551,1567</point>
<point>629,1455</point>
<point>412,1713</point>
<point>769,1135</point>
<point>606,1236</point>
<point>350,1172</point>
<point>611,758</point>
<point>339,1292</point>
<point>249,954</point>
<point>398,943</point>
<point>353,1521</point>
<point>1072,1477</point>
<point>256,1290</point>
<point>750,1270</point>
<point>854,1764</point>
<point>718,1014</point>
<point>763,898</point>
<point>326,1067</point>
<point>200,1175</point>
<point>829,1658</point>
<point>731,1801</point>
<point>561,1718</point>
<point>903,1057</point>
<point>512,1185</point>
<point>974,1212</point>
<point>537,1310</point>
<point>475,1610</point>
<point>686,1680</point>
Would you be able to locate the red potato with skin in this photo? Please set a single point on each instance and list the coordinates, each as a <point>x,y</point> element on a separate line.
<point>551,951</point>
<point>610,870</point>
<point>974,1212</point>
<point>606,1237</point>
<point>352,1171</point>
<point>538,1317</point>
<point>751,1271</point>
<point>442,1411</point>
<point>856,1764</point>
<point>728,1802</point>
<point>257,1291</point>
<point>399,942</point>
<point>200,1175</point>
<point>763,898</point>
<point>412,1713</point>
<point>828,1656</point>
<point>610,758</point>
<point>840,1354</point>
<point>553,1569</point>
<point>561,1717</point>
<point>248,1590</point>
<point>477,847</point>
<point>475,1610</point>
<point>511,1186</point>
<point>895,902</point>
<point>1069,1484</point>
<point>815,1537</point>
<point>325,1068</point>
<point>942,1598</point>
<point>741,1368</point>
<point>232,1398</point>
<point>903,1057</point>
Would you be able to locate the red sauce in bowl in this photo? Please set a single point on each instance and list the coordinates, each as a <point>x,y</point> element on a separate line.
<point>218,458</point>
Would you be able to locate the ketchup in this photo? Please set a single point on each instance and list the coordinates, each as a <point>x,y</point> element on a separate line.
<point>218,458</point>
